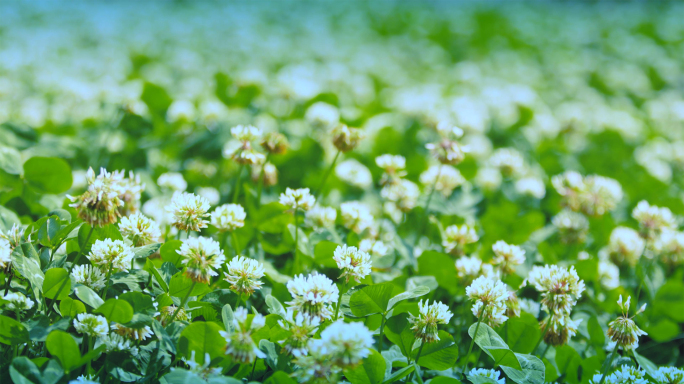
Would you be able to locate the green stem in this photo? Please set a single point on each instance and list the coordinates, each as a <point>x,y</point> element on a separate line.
<point>416,362</point>
<point>325,176</point>
<point>427,209</point>
<point>545,350</point>
<point>472,341</point>
<point>546,328</point>
<point>251,376</point>
<point>237,185</point>
<point>381,340</point>
<point>408,359</point>
<point>236,246</point>
<point>182,304</point>
<point>261,180</point>
<point>109,275</point>
<point>89,368</point>
<point>237,301</point>
<point>339,300</point>
<point>64,282</point>
<point>9,280</point>
<point>296,248</point>
<point>607,367</point>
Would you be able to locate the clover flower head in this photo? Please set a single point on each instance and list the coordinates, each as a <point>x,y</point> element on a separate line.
<point>313,295</point>
<point>173,181</point>
<point>18,301</point>
<point>457,236</point>
<point>488,373</point>
<point>531,186</point>
<point>468,267</point>
<point>114,254</point>
<point>448,151</point>
<point>652,219</point>
<point>609,274</point>
<point>356,216</point>
<point>5,254</point>
<point>489,297</point>
<point>167,312</point>
<point>321,217</point>
<point>560,287</point>
<point>444,178</point>
<point>131,192</point>
<point>245,133</point>
<point>625,246</point>
<point>91,325</point>
<point>269,176</point>
<point>275,143</point>
<point>353,262</point>
<point>244,274</point>
<point>670,246</point>
<point>424,325</point>
<point>228,217</point>
<point>297,199</point>
<point>508,160</point>
<point>243,152</point>
<point>99,204</point>
<point>202,370</point>
<point>625,375</point>
<point>559,328</point>
<point>354,173</point>
<point>137,333</point>
<point>188,211</point>
<point>375,248</point>
<point>623,331</point>
<point>669,375</point>
<point>346,139</point>
<point>507,256</point>
<point>301,328</point>
<point>572,226</point>
<point>201,256</point>
<point>570,185</point>
<point>241,346</point>
<point>601,194</point>
<point>322,115</point>
<point>117,343</point>
<point>89,276</point>
<point>404,194</point>
<point>14,236</point>
<point>346,344</point>
<point>391,164</point>
<point>140,229</point>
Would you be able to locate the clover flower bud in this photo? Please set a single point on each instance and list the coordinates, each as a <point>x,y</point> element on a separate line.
<point>559,329</point>
<point>14,236</point>
<point>346,139</point>
<point>275,143</point>
<point>623,331</point>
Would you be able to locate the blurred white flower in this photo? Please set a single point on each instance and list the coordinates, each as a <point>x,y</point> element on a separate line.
<point>228,217</point>
<point>173,181</point>
<point>297,199</point>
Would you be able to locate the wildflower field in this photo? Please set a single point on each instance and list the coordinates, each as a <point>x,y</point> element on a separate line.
<point>312,192</point>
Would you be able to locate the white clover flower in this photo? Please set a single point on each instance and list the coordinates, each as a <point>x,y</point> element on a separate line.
<point>601,194</point>
<point>140,334</point>
<point>5,254</point>
<point>99,204</point>
<point>302,328</point>
<point>490,295</point>
<point>241,346</point>
<point>173,181</point>
<point>202,370</point>
<point>448,151</point>
<point>572,226</point>
<point>345,139</point>
<point>625,375</point>
<point>625,246</point>
<point>653,220</point>
<point>623,331</point>
<point>188,211</point>
<point>313,295</point>
<point>346,344</point>
<point>468,267</point>
<point>14,236</point>
<point>201,256</point>
<point>244,274</point>
<point>404,194</point>
<point>670,246</point>
<point>487,373</point>
<point>353,262</point>
<point>424,325</point>
<point>375,248</point>
<point>114,254</point>
<point>508,160</point>
<point>117,343</point>
<point>532,186</point>
<point>457,236</point>
<point>228,217</point>
<point>140,229</point>
<point>609,275</point>
<point>445,178</point>
<point>507,256</point>
<point>354,173</point>
<point>89,276</point>
<point>560,288</point>
<point>180,110</point>
<point>321,217</point>
<point>18,302</point>
<point>210,193</point>
<point>91,325</point>
<point>488,178</point>
<point>356,216</point>
<point>559,328</point>
<point>131,192</point>
<point>322,115</point>
<point>391,164</point>
<point>669,375</point>
<point>245,133</point>
<point>297,199</point>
